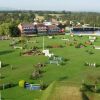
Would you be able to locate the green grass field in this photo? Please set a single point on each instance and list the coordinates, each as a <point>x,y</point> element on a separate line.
<point>72,72</point>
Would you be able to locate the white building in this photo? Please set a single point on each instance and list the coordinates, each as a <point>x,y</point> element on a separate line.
<point>47,23</point>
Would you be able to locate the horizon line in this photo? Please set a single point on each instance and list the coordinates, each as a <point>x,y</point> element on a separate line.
<point>86,11</point>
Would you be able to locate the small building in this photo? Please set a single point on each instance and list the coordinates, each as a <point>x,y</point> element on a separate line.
<point>53,29</point>
<point>47,23</point>
<point>41,29</point>
<point>32,29</point>
<point>27,29</point>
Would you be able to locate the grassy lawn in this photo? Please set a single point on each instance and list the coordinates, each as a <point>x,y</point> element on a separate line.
<point>73,71</point>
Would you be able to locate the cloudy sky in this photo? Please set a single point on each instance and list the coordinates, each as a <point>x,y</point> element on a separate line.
<point>68,5</point>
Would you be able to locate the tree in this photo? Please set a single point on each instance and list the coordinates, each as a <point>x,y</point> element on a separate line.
<point>47,17</point>
<point>14,31</point>
<point>5,29</point>
<point>1,30</point>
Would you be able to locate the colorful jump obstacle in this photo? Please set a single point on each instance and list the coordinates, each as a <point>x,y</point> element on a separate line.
<point>47,53</point>
<point>92,38</point>
<point>17,47</point>
<point>55,60</point>
<point>32,86</point>
<point>96,47</point>
<point>29,86</point>
<point>90,64</point>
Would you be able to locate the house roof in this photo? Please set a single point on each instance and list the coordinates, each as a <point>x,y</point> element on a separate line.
<point>25,25</point>
<point>52,27</point>
<point>41,25</point>
<point>54,21</point>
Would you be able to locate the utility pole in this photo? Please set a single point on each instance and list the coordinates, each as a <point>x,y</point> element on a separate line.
<point>0,95</point>
<point>94,27</point>
<point>0,79</point>
<point>0,64</point>
<point>43,42</point>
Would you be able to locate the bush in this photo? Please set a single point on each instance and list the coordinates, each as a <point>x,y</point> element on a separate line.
<point>35,48</point>
<point>83,88</point>
<point>49,46</point>
<point>43,85</point>
<point>98,89</point>
<point>36,74</point>
<point>80,45</point>
<point>6,86</point>
<point>61,46</point>
<point>91,52</point>
<point>65,59</point>
<point>57,46</point>
<point>84,96</point>
<point>62,63</point>
<point>1,86</point>
<point>71,44</point>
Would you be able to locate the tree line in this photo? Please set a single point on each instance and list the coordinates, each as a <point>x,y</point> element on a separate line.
<point>10,19</point>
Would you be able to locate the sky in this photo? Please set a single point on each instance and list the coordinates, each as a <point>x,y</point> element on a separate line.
<point>67,5</point>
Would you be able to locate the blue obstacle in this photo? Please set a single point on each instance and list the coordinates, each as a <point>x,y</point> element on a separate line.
<point>35,88</point>
<point>55,60</point>
<point>32,86</point>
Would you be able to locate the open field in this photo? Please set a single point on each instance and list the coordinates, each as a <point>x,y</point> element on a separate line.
<point>73,71</point>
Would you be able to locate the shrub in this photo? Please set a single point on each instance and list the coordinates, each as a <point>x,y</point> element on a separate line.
<point>65,59</point>
<point>98,89</point>
<point>6,86</point>
<point>43,85</point>
<point>35,74</point>
<point>1,86</point>
<point>71,44</point>
<point>84,96</point>
<point>57,46</point>
<point>35,48</point>
<point>49,46</point>
<point>86,64</point>
<point>80,45</point>
<point>83,87</point>
<point>91,52</point>
<point>61,46</point>
<point>62,63</point>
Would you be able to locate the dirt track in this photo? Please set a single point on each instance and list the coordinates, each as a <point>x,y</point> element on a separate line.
<point>66,93</point>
